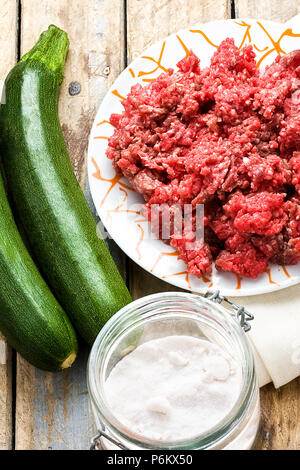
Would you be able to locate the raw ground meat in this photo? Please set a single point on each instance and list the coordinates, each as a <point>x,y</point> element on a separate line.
<point>227,137</point>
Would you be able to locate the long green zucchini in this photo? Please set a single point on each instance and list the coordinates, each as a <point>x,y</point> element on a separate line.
<point>52,208</point>
<point>30,317</point>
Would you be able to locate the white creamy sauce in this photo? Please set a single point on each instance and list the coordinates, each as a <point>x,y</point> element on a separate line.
<point>173,388</point>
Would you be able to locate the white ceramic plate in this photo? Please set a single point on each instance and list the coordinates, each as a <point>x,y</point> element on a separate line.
<point>113,196</point>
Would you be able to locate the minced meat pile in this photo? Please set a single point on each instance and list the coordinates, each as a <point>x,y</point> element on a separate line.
<point>228,137</point>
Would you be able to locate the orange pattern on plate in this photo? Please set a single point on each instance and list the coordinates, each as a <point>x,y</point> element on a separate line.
<point>161,255</point>
<point>125,194</point>
<point>238,282</point>
<point>104,122</point>
<point>157,62</point>
<point>204,35</point>
<point>260,50</point>
<point>180,274</point>
<point>176,253</point>
<point>247,32</point>
<point>113,181</point>
<point>119,209</point>
<point>286,271</point>
<point>205,279</point>
<point>186,50</point>
<point>118,95</point>
<point>276,44</point>
<point>140,241</point>
<point>268,272</point>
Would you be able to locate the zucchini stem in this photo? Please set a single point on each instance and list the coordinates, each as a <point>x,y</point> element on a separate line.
<point>51,49</point>
<point>69,361</point>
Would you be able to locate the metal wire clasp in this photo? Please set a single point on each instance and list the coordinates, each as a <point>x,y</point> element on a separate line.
<point>242,314</point>
<point>96,441</point>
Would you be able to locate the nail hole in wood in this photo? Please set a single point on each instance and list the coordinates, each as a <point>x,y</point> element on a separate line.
<point>74,88</point>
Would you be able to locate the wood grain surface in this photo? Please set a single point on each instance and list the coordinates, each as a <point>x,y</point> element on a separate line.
<point>275,10</point>
<point>150,21</point>
<point>6,434</point>
<point>280,417</point>
<point>52,410</point>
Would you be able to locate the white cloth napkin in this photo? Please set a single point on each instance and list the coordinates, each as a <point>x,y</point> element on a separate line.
<point>275,334</point>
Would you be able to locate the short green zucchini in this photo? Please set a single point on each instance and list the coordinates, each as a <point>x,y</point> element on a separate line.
<point>30,317</point>
<point>51,206</point>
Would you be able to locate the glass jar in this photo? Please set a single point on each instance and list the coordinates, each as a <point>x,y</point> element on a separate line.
<point>166,314</point>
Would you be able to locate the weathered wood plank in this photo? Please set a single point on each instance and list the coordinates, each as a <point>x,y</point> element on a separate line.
<point>276,10</point>
<point>151,21</point>
<point>280,429</point>
<point>5,396</point>
<point>52,411</point>
<point>148,22</point>
<point>8,37</point>
<point>8,57</point>
<point>280,408</point>
<point>95,58</point>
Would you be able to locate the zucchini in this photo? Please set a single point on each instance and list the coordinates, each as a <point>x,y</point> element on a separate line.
<point>30,317</point>
<point>51,206</point>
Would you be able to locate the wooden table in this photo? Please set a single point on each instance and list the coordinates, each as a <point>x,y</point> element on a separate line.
<point>40,410</point>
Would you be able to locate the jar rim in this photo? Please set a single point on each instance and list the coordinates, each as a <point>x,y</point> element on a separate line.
<point>217,432</point>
